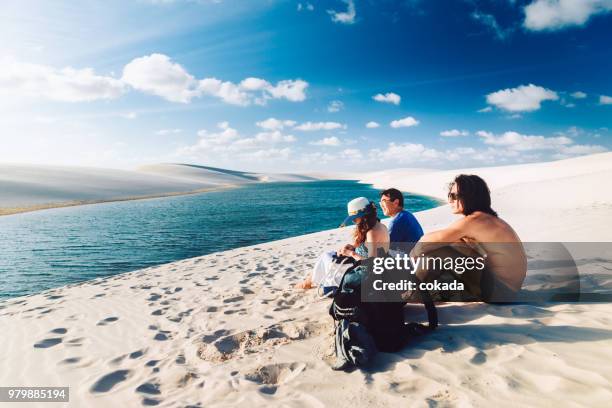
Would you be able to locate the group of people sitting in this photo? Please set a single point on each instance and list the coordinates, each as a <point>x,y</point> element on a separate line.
<point>478,232</point>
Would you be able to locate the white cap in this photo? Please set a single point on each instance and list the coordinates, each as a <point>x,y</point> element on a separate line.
<point>356,208</point>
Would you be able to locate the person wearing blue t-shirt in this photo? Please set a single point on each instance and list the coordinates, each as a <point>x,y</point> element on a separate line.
<point>404,228</point>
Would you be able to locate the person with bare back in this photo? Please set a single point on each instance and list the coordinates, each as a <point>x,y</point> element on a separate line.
<point>479,232</point>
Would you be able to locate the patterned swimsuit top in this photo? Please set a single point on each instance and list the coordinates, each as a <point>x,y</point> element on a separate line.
<point>362,250</point>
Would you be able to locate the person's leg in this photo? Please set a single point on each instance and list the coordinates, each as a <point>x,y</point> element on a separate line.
<point>496,292</point>
<point>432,269</point>
<point>305,284</point>
<point>319,271</point>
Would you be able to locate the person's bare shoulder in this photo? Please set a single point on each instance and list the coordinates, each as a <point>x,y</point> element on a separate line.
<point>487,226</point>
<point>478,220</point>
<point>378,233</point>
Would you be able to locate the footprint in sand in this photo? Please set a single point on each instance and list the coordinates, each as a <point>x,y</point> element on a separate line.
<point>233,299</point>
<point>108,381</point>
<point>230,346</point>
<point>161,336</point>
<point>212,337</point>
<point>479,358</point>
<point>59,330</point>
<point>46,343</point>
<point>106,321</point>
<point>77,342</point>
<point>149,388</point>
<point>137,354</point>
<point>54,297</point>
<point>117,360</point>
<point>70,360</point>
<point>275,374</point>
<point>152,363</point>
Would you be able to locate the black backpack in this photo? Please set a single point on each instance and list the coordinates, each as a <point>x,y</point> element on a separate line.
<point>364,328</point>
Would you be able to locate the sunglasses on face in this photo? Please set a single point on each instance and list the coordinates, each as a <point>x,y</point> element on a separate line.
<point>453,196</point>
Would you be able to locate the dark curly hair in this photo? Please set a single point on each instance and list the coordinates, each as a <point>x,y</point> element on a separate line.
<point>366,223</point>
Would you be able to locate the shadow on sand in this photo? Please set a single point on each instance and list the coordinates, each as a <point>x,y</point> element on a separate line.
<point>454,335</point>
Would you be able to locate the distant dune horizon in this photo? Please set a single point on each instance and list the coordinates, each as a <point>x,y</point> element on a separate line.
<point>28,187</point>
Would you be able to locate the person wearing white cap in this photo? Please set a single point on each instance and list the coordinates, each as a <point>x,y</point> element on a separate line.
<point>370,235</point>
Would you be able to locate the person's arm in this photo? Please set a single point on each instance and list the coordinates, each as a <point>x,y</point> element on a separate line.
<point>377,239</point>
<point>349,250</point>
<point>436,239</point>
<point>395,231</point>
<point>452,233</point>
<point>374,240</point>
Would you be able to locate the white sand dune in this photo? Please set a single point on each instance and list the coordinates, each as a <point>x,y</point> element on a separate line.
<point>31,187</point>
<point>226,329</point>
<point>565,200</point>
<point>217,176</point>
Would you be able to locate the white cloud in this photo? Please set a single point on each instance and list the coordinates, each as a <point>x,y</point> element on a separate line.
<point>605,100</point>
<point>484,110</point>
<point>292,90</point>
<point>335,106</point>
<point>314,126</point>
<point>389,97</point>
<point>520,142</point>
<point>558,14</point>
<point>317,158</point>
<point>227,143</point>
<point>275,124</point>
<point>306,6</point>
<point>270,154</point>
<point>66,84</point>
<point>226,91</point>
<point>454,133</point>
<point>264,138</point>
<point>156,74</point>
<point>578,95</point>
<point>408,121</point>
<point>573,131</point>
<point>328,141</point>
<point>351,154</point>
<point>524,98</point>
<point>490,21</point>
<point>509,147</point>
<point>405,152</point>
<point>129,115</point>
<point>164,132</point>
<point>372,125</point>
<point>581,150</point>
<point>344,17</point>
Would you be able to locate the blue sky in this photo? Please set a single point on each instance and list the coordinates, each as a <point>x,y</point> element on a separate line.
<point>276,85</point>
